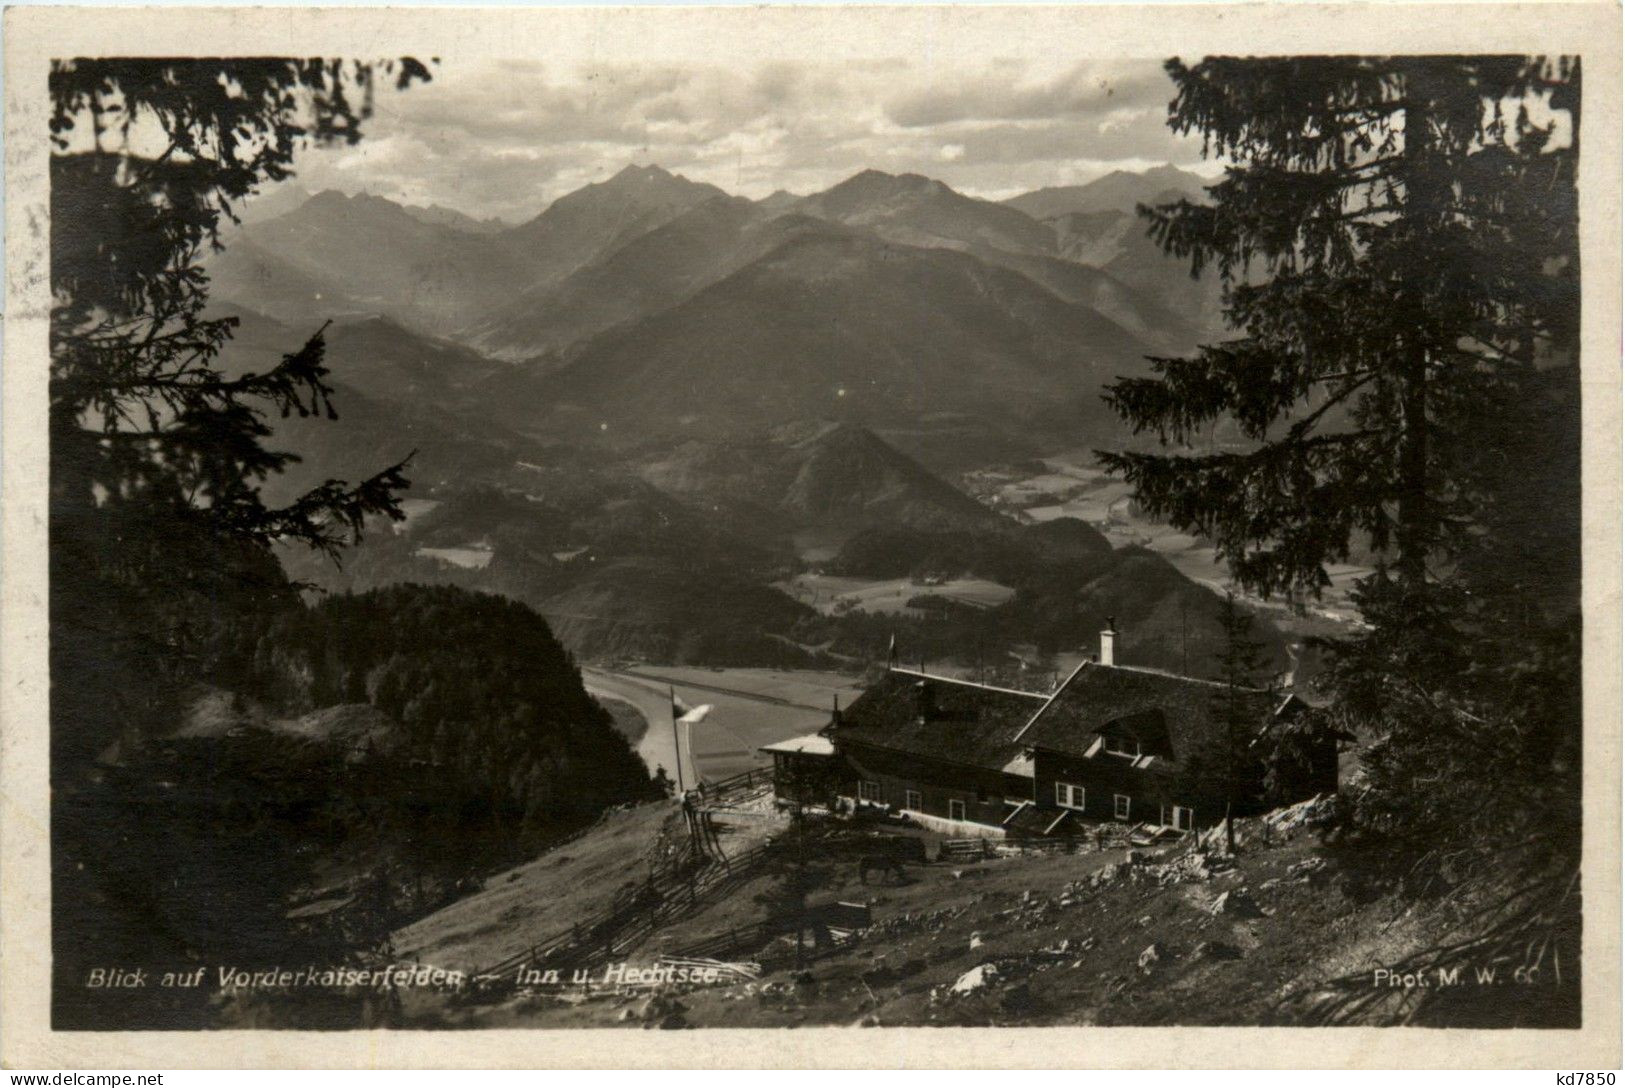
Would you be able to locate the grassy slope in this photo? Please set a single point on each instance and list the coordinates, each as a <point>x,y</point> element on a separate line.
<point>541,897</point>
<point>1021,910</point>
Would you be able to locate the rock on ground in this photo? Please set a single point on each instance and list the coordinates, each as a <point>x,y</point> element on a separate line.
<point>976,979</point>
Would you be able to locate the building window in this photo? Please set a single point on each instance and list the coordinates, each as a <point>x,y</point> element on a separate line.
<point>869,791</point>
<point>912,799</point>
<point>1068,796</point>
<point>1120,803</point>
<point>1123,746</point>
<point>956,810</point>
<point>1177,817</point>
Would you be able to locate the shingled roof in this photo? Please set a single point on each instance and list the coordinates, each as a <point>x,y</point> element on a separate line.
<point>968,723</point>
<point>990,727</point>
<point>1170,715</point>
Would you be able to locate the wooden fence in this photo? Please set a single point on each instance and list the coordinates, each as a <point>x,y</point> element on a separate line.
<point>966,849</point>
<point>734,788</point>
<point>838,924</point>
<point>675,890</point>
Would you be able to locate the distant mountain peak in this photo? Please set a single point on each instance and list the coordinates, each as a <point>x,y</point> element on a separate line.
<point>333,200</point>
<point>913,209</point>
<point>634,178</point>
<point>634,172</point>
<point>637,185</point>
<point>872,180</point>
<point>780,200</point>
<point>330,198</point>
<point>1118,191</point>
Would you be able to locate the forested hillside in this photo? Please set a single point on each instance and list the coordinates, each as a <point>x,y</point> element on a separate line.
<point>482,692</point>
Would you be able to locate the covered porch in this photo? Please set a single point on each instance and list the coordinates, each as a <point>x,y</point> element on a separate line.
<point>806,769</point>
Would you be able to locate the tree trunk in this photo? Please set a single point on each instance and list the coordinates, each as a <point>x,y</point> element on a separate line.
<point>1425,203</point>
<point>1414,535</point>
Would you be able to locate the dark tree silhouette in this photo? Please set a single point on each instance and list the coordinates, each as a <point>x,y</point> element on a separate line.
<point>157,454</point>
<point>158,530</point>
<point>662,782</point>
<point>1397,244</point>
<point>1398,248</point>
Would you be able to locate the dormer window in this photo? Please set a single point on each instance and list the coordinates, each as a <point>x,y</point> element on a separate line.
<point>1128,747</point>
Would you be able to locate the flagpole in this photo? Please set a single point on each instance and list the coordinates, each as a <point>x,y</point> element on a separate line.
<point>676,743</point>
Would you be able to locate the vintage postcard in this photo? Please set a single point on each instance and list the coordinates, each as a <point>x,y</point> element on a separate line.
<point>589,536</point>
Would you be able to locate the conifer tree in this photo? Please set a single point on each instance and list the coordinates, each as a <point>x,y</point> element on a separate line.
<point>1397,242</point>
<point>157,453</point>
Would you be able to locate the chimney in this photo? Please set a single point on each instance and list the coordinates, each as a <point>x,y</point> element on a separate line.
<point>1108,641</point>
<point>835,712</point>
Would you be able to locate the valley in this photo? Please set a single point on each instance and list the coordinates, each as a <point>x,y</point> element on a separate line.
<point>832,595</point>
<point>749,708</point>
<point>696,431</point>
<point>1066,485</point>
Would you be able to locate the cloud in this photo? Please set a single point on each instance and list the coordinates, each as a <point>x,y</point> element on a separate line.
<point>507,138</point>
<point>1007,93</point>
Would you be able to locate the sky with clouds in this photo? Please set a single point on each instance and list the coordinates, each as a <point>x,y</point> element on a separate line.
<point>506,138</point>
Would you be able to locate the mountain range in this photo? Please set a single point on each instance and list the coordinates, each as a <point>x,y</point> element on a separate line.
<point>642,409</point>
<point>1097,225</point>
<point>650,307</point>
<point>1118,191</point>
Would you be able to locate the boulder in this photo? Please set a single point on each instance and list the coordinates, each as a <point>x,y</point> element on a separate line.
<point>1237,904</point>
<point>1306,868</point>
<point>976,980</point>
<point>1150,957</point>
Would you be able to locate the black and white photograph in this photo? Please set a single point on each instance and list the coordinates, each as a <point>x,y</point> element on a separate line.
<point>1015,538</point>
